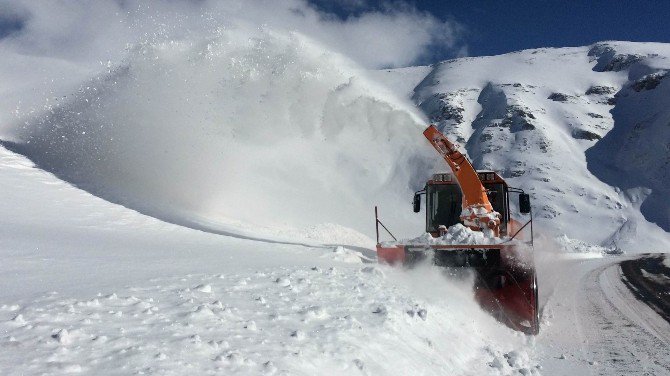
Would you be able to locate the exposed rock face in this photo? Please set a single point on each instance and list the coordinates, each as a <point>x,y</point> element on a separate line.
<point>610,61</point>
<point>518,119</point>
<point>560,97</point>
<point>600,90</point>
<point>582,134</point>
<point>443,106</point>
<point>649,82</point>
<point>621,62</point>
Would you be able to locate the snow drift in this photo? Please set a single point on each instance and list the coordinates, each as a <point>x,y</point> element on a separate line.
<point>238,132</point>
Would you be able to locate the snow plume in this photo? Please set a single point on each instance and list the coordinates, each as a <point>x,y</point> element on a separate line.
<point>243,129</point>
<point>206,112</point>
<point>393,36</point>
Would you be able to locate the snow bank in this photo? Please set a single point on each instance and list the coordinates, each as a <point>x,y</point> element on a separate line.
<point>577,246</point>
<point>288,320</point>
<point>241,130</point>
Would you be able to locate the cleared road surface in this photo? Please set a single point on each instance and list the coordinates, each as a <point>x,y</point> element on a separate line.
<point>610,321</point>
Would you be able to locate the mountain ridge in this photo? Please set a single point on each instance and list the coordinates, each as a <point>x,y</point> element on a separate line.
<point>550,120</point>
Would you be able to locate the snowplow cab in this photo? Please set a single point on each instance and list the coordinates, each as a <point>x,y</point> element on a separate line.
<point>444,197</point>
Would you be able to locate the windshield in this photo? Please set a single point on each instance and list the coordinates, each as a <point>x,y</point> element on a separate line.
<point>444,202</point>
<point>444,206</point>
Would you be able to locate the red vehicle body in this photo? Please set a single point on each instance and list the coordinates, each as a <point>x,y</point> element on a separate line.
<point>505,280</point>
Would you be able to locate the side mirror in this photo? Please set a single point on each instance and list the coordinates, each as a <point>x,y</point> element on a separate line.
<point>417,202</point>
<point>524,203</point>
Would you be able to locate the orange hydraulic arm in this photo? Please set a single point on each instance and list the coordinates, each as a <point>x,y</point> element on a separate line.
<point>477,211</point>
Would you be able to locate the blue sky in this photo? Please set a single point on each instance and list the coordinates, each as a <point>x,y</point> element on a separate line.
<point>495,27</point>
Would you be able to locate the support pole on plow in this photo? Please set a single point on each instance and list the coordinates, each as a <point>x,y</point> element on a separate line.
<point>377,223</point>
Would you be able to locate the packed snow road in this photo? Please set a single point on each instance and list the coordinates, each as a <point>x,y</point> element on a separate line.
<point>595,325</point>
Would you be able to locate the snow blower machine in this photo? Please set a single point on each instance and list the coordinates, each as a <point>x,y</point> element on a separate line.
<point>501,255</point>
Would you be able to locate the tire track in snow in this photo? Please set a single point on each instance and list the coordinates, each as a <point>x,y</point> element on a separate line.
<point>626,342</point>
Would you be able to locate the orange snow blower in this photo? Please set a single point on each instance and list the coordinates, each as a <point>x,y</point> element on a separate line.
<point>505,279</point>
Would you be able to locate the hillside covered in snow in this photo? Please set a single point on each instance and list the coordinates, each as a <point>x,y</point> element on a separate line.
<point>586,130</point>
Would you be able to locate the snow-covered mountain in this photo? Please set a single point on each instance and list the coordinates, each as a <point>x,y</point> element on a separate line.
<point>269,136</point>
<point>586,130</point>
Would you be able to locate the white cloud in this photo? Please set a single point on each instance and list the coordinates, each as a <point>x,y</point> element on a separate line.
<point>100,29</point>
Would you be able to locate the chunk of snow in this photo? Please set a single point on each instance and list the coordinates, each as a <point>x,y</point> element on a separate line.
<point>298,335</point>
<point>283,282</point>
<point>204,288</point>
<point>576,246</point>
<point>455,235</point>
<point>343,254</point>
<point>63,336</point>
<point>18,319</point>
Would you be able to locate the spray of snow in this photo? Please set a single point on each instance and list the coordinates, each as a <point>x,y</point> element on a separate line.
<point>242,131</point>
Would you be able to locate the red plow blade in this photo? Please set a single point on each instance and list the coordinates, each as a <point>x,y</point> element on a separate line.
<point>505,283</point>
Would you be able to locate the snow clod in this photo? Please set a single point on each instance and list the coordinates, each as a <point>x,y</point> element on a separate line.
<point>269,368</point>
<point>204,288</point>
<point>298,334</point>
<point>380,310</point>
<point>283,282</point>
<point>63,337</point>
<point>18,319</point>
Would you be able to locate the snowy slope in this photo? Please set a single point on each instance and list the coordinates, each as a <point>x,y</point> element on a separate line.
<point>584,130</point>
<point>93,287</point>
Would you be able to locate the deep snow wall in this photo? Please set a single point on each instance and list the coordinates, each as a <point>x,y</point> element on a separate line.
<point>244,131</point>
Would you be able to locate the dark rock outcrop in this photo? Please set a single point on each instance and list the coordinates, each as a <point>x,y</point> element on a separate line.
<point>517,119</point>
<point>560,97</point>
<point>600,90</point>
<point>440,107</point>
<point>648,82</point>
<point>609,61</point>
<point>582,134</point>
